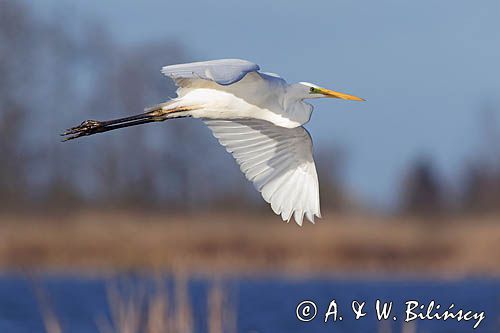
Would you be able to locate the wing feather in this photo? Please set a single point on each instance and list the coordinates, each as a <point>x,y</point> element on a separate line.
<point>223,71</point>
<point>277,160</point>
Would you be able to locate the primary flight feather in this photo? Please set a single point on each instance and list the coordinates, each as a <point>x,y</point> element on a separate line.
<point>256,116</point>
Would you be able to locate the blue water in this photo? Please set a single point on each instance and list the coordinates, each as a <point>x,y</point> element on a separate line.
<point>263,305</point>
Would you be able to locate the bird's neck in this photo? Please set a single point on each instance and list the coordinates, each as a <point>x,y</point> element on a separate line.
<point>297,91</point>
<point>297,110</point>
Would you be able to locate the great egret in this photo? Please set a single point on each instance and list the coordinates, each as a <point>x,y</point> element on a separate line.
<point>256,116</point>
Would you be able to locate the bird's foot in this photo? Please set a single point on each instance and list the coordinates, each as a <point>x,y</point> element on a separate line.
<point>88,127</point>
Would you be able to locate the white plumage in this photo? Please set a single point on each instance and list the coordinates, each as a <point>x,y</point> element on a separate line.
<point>277,160</point>
<point>257,117</point>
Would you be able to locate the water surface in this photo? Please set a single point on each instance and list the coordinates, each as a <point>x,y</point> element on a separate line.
<point>263,305</point>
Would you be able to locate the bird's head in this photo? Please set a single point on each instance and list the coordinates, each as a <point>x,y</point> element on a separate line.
<point>310,90</point>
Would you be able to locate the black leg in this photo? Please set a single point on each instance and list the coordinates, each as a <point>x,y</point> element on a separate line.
<point>89,127</point>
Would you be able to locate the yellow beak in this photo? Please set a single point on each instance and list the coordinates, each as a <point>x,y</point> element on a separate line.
<point>335,94</point>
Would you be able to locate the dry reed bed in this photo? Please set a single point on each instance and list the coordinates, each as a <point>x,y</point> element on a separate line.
<point>137,308</point>
<point>233,244</point>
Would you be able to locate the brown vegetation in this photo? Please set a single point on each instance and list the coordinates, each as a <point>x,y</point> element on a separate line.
<point>234,244</point>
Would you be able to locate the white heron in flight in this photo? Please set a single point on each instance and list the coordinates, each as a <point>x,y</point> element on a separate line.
<point>256,116</point>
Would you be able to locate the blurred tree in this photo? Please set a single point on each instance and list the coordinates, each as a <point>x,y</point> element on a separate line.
<point>423,192</point>
<point>59,71</point>
<point>481,192</point>
<point>17,35</point>
<point>329,165</point>
<point>481,184</point>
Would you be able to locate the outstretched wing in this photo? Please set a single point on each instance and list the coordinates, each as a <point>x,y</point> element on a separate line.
<point>277,160</point>
<point>223,71</point>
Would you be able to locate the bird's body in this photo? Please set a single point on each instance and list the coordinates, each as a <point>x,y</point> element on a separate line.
<point>257,117</point>
<point>257,95</point>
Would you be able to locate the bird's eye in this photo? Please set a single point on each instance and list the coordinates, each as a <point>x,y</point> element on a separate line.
<point>311,90</point>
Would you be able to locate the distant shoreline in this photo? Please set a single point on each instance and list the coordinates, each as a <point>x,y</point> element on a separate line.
<point>340,246</point>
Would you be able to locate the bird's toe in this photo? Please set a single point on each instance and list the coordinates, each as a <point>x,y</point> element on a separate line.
<point>85,128</point>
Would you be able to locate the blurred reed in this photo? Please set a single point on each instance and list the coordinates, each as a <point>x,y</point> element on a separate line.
<point>138,309</point>
<point>386,326</point>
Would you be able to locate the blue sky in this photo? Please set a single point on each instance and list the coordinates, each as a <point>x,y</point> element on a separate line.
<point>427,68</point>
